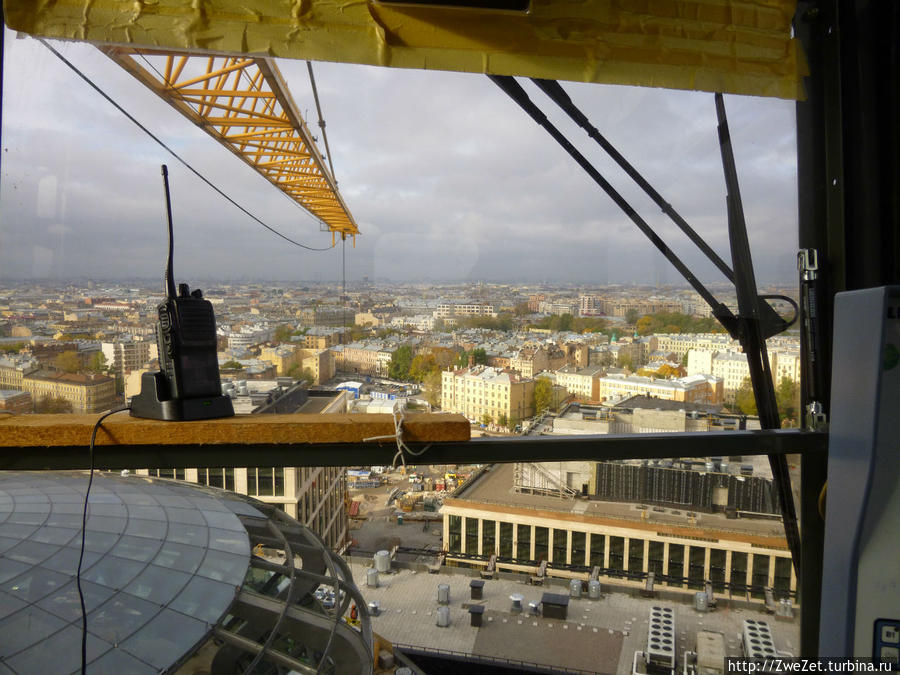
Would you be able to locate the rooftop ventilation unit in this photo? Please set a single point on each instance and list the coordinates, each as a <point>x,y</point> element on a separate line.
<point>757,640</point>
<point>661,638</point>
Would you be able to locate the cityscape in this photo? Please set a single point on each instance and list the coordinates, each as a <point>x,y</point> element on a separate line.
<point>532,359</point>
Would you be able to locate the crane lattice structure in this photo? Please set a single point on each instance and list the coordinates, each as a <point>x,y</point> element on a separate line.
<point>244,103</point>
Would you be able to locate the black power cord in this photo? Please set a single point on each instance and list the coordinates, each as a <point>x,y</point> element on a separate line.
<point>83,533</point>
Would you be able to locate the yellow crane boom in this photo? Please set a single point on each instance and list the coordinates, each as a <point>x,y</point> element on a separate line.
<point>244,103</point>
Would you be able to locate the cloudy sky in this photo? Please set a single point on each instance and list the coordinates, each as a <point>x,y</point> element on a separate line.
<point>447,178</point>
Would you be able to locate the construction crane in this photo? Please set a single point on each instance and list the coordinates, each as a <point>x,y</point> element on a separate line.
<point>244,103</point>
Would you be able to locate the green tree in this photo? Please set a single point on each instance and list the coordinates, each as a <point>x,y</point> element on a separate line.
<point>787,395</point>
<point>744,400</point>
<point>543,394</point>
<point>52,405</point>
<point>283,333</point>
<point>625,360</point>
<point>68,362</point>
<point>480,356</point>
<point>401,360</point>
<point>433,386</point>
<point>12,348</point>
<point>486,419</point>
<point>232,365</point>
<point>502,419</point>
<point>307,376</point>
<point>98,363</point>
<point>631,316</point>
<point>462,360</point>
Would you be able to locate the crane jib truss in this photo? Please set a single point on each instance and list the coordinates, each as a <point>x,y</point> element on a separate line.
<point>245,105</point>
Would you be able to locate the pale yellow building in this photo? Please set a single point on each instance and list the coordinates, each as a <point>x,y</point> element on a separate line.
<point>691,389</point>
<point>290,359</point>
<point>684,549</point>
<point>86,393</point>
<point>733,368</point>
<point>483,390</point>
<point>583,383</point>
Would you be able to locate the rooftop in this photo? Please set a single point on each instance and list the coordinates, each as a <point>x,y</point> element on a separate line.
<point>495,486</point>
<point>598,636</point>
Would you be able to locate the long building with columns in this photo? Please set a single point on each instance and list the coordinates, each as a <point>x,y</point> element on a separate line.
<point>740,556</point>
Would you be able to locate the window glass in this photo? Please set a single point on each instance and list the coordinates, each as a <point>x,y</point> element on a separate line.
<point>541,544</point>
<point>675,571</point>
<point>455,543</point>
<point>560,543</point>
<point>506,540</point>
<point>523,550</point>
<point>635,555</point>
<point>488,536</point>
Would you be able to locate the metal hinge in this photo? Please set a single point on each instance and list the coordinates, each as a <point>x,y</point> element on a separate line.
<point>816,419</point>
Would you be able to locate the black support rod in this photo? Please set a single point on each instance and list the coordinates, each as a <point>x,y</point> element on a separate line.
<point>558,95</point>
<point>750,334</point>
<point>476,451</point>
<point>514,90</point>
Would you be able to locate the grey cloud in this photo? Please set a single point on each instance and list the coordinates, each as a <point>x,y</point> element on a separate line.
<point>446,176</point>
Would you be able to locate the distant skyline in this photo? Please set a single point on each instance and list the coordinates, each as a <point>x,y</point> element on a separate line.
<point>447,178</point>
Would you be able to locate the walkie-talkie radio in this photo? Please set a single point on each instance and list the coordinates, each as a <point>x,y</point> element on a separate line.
<point>187,386</point>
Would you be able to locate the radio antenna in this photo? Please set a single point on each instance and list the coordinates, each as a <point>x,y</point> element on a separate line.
<point>170,275</point>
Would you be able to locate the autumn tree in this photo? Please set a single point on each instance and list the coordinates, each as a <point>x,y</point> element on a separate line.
<point>68,362</point>
<point>787,394</point>
<point>543,395</point>
<point>283,333</point>
<point>52,405</point>
<point>98,363</point>
<point>433,385</point>
<point>744,400</point>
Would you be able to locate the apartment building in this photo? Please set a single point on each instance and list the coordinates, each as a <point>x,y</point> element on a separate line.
<point>590,305</point>
<point>583,383</point>
<point>290,357</point>
<point>16,402</point>
<point>691,389</point>
<point>125,356</point>
<point>330,315</point>
<point>530,360</point>
<point>681,343</point>
<point>86,393</point>
<point>733,368</point>
<point>482,390</point>
<point>365,358</point>
<point>558,307</point>
<point>14,368</point>
<point>322,337</point>
<point>446,310</point>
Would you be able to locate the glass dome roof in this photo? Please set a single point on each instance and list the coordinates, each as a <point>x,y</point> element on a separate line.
<point>163,564</point>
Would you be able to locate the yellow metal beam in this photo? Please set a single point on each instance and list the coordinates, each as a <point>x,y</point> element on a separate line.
<point>244,104</point>
<point>732,46</point>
